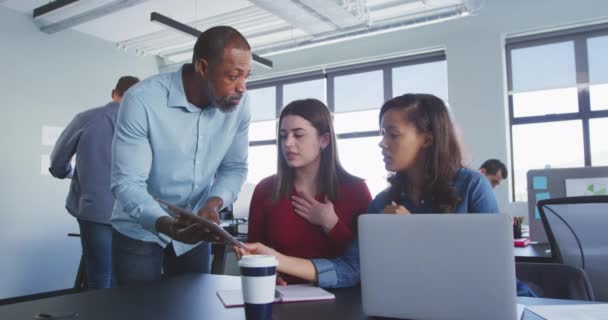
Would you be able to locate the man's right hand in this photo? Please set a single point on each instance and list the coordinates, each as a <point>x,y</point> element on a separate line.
<point>191,234</point>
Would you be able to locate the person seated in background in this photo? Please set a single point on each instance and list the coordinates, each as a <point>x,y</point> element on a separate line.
<point>309,208</point>
<point>495,171</point>
<point>420,148</point>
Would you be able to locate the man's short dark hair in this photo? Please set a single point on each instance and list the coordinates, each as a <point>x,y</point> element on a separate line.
<point>211,43</point>
<point>125,83</point>
<point>493,165</point>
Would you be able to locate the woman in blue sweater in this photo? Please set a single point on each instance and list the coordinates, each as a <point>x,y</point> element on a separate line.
<point>420,147</point>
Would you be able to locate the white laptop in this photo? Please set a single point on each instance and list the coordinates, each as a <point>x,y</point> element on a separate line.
<point>438,266</point>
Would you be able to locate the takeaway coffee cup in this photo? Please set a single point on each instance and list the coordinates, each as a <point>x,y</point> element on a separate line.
<point>258,276</point>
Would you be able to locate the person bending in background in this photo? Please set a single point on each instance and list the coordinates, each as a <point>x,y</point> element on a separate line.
<point>90,199</point>
<point>309,208</point>
<point>420,148</point>
<point>495,171</point>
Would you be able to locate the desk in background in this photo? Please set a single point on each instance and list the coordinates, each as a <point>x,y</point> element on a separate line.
<point>193,297</point>
<point>537,252</point>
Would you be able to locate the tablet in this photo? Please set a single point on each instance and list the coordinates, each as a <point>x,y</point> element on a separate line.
<point>212,226</point>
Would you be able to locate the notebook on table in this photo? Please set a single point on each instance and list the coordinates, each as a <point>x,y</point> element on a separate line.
<point>567,312</point>
<point>283,294</point>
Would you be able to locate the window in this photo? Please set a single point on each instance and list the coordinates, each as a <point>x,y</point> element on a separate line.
<point>262,103</point>
<point>354,95</point>
<point>355,112</point>
<point>598,130</point>
<point>558,102</point>
<point>314,89</point>
<point>598,72</point>
<point>262,162</point>
<point>429,77</point>
<point>555,144</point>
<point>368,164</point>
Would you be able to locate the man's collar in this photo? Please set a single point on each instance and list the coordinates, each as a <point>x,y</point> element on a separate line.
<point>177,94</point>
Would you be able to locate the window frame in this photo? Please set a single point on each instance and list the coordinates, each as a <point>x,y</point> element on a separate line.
<point>579,36</point>
<point>329,74</point>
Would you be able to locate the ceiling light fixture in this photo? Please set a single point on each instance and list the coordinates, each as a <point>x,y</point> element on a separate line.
<point>391,25</point>
<point>157,17</point>
<point>89,15</point>
<point>51,6</point>
<point>350,13</point>
<point>298,15</point>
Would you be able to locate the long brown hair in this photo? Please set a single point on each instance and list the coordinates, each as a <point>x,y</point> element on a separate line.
<point>442,159</point>
<point>331,172</point>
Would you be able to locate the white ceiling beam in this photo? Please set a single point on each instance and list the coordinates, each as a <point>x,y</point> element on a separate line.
<point>157,17</point>
<point>298,15</point>
<point>90,15</point>
<point>339,14</point>
<point>242,18</point>
<point>391,25</point>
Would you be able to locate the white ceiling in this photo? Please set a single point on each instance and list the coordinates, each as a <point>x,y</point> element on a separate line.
<point>271,26</point>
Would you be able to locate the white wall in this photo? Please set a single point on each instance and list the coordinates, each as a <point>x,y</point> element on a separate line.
<point>476,64</point>
<point>45,80</point>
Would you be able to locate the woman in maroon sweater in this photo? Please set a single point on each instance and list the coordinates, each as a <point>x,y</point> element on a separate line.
<point>309,208</point>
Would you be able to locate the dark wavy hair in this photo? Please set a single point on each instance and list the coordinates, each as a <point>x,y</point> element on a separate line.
<point>442,159</point>
<point>331,173</point>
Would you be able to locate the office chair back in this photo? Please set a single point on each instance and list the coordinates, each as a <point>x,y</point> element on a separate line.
<point>576,229</point>
<point>555,281</point>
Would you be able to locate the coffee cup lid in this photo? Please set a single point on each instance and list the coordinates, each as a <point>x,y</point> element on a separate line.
<point>257,260</point>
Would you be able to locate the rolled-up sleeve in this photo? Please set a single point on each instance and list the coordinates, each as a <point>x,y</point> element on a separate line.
<point>232,172</point>
<point>131,163</point>
<point>65,148</point>
<point>343,271</point>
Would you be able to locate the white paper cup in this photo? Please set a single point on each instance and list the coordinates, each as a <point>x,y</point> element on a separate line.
<point>258,279</point>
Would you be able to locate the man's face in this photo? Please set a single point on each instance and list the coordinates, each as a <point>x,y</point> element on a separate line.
<point>495,179</point>
<point>227,79</point>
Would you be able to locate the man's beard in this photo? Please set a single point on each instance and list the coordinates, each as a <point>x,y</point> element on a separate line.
<point>225,103</point>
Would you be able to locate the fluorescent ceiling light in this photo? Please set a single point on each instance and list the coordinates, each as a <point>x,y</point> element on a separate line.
<point>297,15</point>
<point>157,17</point>
<point>350,13</point>
<point>51,6</point>
<point>391,25</point>
<point>89,15</point>
<point>251,21</point>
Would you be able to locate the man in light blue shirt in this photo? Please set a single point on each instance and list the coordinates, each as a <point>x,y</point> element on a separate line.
<point>90,201</point>
<point>181,137</point>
